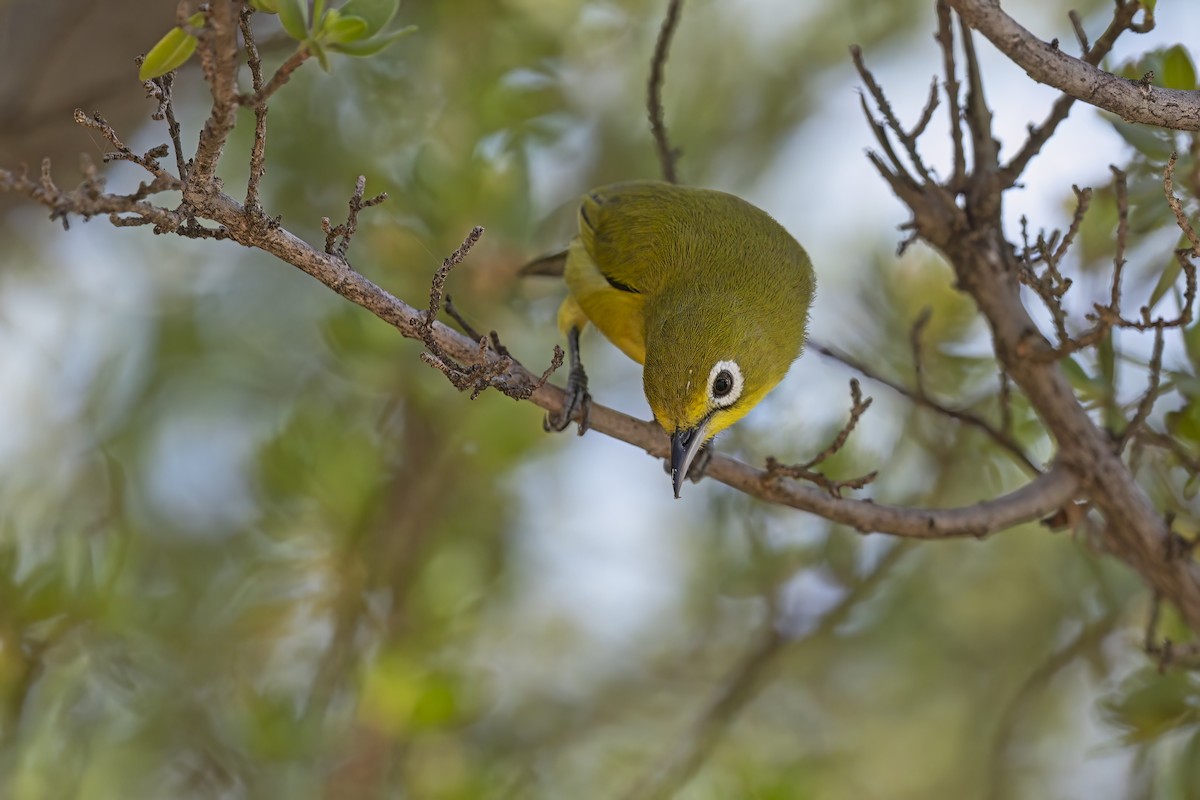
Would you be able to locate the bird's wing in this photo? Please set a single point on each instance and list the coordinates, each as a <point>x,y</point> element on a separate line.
<point>620,225</point>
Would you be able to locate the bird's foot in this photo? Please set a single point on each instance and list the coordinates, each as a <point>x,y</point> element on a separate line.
<point>578,401</point>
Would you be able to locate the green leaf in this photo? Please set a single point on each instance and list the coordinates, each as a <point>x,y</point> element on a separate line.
<point>171,52</point>
<point>1148,705</point>
<point>318,50</point>
<point>1178,72</point>
<point>1166,280</point>
<point>1191,342</point>
<point>1184,423</point>
<point>376,13</point>
<point>1150,142</point>
<point>1172,68</point>
<point>266,6</point>
<point>318,16</point>
<point>1190,487</point>
<point>344,29</point>
<point>293,14</point>
<point>374,45</point>
<point>1089,388</point>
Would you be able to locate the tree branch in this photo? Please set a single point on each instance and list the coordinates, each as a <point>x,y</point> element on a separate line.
<point>667,155</point>
<point>1046,63</point>
<point>970,234</point>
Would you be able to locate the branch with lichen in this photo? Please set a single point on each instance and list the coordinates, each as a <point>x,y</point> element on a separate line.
<point>472,363</point>
<point>1045,62</point>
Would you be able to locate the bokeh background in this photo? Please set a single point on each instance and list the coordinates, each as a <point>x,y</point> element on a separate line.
<point>251,546</point>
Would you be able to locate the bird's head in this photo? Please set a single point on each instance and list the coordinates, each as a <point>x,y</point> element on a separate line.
<point>705,369</point>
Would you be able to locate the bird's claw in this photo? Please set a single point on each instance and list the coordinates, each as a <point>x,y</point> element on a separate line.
<point>578,401</point>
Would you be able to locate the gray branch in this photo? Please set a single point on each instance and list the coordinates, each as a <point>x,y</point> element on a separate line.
<point>1046,63</point>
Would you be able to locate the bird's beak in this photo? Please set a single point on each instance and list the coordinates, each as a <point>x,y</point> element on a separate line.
<point>685,444</point>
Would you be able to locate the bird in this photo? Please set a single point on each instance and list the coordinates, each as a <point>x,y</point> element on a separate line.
<point>705,290</point>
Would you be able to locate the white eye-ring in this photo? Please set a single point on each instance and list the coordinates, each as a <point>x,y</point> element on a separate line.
<point>724,384</point>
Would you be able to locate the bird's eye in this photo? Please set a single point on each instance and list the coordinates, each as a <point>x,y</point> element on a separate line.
<point>724,384</point>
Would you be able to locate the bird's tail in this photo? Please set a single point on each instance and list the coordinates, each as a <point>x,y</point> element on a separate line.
<point>553,265</point>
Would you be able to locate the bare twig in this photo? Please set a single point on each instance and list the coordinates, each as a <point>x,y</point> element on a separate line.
<point>438,286</point>
<point>1040,134</point>
<point>1146,405</point>
<point>469,330</point>
<point>1111,315</point>
<point>945,40</point>
<point>858,407</point>
<point>805,471</point>
<point>667,156</point>
<point>1080,33</point>
<point>148,162</point>
<point>982,199</point>
<point>1176,205</point>
<point>1051,285</point>
<point>909,140</point>
<point>337,237</point>
<point>282,75</point>
<point>480,371</point>
<point>926,114</point>
<point>259,146</point>
<point>160,89</point>
<point>90,199</point>
<point>1000,437</point>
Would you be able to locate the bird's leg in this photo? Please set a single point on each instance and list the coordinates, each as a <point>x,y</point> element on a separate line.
<point>578,399</point>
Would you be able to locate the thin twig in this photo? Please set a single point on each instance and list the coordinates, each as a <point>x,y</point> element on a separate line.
<point>438,286</point>
<point>1111,315</point>
<point>148,162</point>
<point>926,114</point>
<point>1080,33</point>
<point>281,76</point>
<point>337,237</point>
<point>893,122</point>
<point>945,40</point>
<point>667,156</point>
<point>805,471</point>
<point>1176,205</point>
<point>1005,440</point>
<point>1051,285</point>
<point>984,147</point>
<point>479,374</point>
<point>258,148</point>
<point>1146,405</point>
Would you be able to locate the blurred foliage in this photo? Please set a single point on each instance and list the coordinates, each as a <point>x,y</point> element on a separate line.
<point>250,546</point>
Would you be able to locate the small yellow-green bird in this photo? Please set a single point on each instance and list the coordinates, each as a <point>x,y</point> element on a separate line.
<point>705,290</point>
